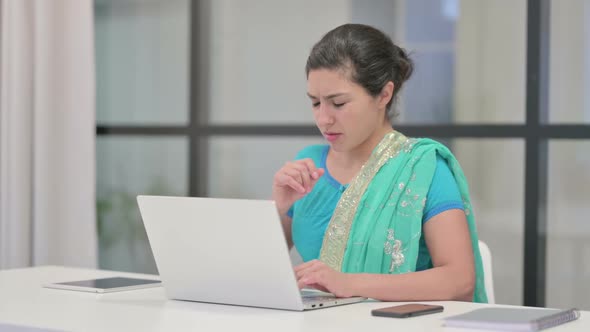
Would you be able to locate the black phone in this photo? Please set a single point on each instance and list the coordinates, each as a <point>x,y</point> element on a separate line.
<point>407,310</point>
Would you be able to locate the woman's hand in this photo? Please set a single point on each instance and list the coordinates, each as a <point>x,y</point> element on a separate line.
<point>320,276</point>
<point>293,181</point>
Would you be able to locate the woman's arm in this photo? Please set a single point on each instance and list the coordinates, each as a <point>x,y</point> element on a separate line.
<point>451,278</point>
<point>286,222</point>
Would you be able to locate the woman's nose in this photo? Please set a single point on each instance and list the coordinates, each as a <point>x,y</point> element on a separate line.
<point>323,115</point>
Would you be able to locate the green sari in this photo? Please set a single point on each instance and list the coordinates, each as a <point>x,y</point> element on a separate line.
<point>377,224</point>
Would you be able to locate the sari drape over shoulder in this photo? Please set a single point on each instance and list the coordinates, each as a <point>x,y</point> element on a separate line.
<point>377,224</point>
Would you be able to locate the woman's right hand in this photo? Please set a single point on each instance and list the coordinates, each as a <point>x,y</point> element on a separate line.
<point>293,181</point>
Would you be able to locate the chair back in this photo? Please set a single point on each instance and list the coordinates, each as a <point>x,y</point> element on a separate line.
<point>486,258</point>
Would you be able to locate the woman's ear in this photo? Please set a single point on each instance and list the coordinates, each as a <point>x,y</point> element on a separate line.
<point>386,94</point>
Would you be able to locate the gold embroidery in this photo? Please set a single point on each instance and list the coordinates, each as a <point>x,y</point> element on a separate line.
<point>393,247</point>
<point>337,233</point>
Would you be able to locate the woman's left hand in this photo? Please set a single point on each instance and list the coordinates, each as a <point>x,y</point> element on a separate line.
<point>320,276</point>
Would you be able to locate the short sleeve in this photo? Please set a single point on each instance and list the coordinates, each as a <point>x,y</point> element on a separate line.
<point>444,193</point>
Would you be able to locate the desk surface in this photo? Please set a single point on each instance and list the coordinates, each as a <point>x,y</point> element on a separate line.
<point>24,302</point>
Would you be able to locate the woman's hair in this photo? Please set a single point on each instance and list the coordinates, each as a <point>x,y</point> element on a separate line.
<point>367,54</point>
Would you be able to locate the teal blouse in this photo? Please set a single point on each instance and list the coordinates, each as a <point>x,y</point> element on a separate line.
<point>312,213</point>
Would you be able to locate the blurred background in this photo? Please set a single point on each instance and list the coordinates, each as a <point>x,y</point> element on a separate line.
<point>208,98</point>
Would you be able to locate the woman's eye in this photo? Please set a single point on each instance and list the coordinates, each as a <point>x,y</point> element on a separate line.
<point>338,105</point>
<point>316,104</point>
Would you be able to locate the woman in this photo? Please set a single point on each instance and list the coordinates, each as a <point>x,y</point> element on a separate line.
<point>375,213</point>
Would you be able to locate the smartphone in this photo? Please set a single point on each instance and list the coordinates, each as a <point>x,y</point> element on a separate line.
<point>407,310</point>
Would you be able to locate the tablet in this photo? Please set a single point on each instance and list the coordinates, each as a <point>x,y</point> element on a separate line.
<point>105,285</point>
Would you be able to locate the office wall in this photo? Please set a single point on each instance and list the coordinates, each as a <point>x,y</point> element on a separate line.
<point>257,58</point>
<point>142,60</point>
<point>490,89</point>
<point>568,229</point>
<point>142,49</point>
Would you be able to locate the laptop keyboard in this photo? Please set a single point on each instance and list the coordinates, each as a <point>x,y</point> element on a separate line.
<point>316,297</point>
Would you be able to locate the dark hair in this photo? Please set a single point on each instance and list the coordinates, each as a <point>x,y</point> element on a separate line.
<point>369,55</point>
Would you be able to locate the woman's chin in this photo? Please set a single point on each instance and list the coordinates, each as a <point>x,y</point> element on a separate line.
<point>338,147</point>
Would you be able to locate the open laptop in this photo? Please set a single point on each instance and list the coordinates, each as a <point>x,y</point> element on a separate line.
<point>229,251</point>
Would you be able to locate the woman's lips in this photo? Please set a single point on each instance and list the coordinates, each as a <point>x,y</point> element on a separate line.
<point>331,137</point>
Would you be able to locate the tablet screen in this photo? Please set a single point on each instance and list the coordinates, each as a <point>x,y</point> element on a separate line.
<point>109,283</point>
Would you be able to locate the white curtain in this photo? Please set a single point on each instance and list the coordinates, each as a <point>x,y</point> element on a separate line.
<point>47,133</point>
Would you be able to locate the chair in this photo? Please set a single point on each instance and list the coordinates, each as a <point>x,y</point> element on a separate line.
<point>486,259</point>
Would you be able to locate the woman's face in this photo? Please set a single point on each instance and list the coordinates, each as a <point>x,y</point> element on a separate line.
<point>344,112</point>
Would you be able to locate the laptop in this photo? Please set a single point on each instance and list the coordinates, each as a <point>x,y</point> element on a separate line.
<point>226,251</point>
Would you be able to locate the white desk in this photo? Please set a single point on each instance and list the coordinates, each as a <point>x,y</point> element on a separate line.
<point>24,302</point>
